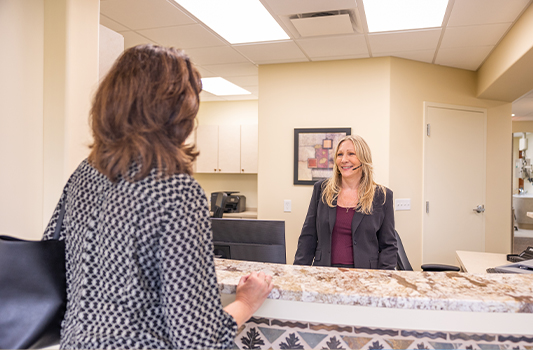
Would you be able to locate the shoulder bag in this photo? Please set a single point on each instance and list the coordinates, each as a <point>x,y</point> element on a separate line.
<point>32,290</point>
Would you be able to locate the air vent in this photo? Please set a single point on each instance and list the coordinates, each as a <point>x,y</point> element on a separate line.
<point>327,22</point>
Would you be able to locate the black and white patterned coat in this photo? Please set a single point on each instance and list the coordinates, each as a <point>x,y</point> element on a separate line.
<point>140,270</point>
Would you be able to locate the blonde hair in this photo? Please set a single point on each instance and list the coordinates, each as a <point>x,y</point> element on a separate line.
<point>367,186</point>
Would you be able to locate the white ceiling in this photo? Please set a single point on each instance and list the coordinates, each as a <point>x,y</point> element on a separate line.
<point>470,31</point>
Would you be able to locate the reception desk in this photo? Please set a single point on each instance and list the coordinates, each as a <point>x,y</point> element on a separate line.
<point>333,308</point>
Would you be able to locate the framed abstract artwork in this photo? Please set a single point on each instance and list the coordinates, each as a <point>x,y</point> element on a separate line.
<point>313,153</point>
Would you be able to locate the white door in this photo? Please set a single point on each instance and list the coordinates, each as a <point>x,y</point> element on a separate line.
<point>207,144</point>
<point>249,149</point>
<point>229,149</point>
<point>454,182</point>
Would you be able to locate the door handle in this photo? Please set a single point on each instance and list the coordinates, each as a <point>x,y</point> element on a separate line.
<point>479,209</point>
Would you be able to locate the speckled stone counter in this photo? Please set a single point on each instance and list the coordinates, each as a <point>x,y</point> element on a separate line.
<point>452,291</point>
<point>331,308</point>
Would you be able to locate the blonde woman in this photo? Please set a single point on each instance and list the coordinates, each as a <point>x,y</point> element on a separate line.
<point>350,221</point>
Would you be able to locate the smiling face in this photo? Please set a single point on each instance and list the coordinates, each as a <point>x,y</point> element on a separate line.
<point>346,159</point>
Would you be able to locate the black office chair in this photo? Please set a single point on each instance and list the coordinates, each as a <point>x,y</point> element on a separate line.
<point>220,204</point>
<point>404,265</point>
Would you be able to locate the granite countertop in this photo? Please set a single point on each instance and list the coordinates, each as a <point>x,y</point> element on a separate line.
<point>452,291</point>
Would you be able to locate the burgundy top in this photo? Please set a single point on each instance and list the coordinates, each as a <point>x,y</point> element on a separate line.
<point>341,238</point>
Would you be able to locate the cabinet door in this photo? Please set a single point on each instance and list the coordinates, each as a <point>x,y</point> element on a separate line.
<point>249,149</point>
<point>207,144</point>
<point>229,149</point>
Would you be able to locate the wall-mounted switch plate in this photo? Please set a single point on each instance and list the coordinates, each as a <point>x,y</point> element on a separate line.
<point>402,204</point>
<point>287,205</point>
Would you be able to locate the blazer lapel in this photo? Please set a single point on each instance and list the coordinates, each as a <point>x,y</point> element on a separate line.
<point>356,220</point>
<point>332,211</point>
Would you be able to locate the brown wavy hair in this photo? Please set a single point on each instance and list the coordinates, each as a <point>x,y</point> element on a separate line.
<point>367,186</point>
<point>142,113</point>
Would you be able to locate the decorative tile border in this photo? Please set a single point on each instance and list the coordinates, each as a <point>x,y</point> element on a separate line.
<point>264,333</point>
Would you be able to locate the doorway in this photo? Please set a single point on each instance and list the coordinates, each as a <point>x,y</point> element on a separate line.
<point>454,154</point>
<point>522,235</point>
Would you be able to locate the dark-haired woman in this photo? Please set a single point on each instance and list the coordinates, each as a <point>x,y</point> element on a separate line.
<point>350,221</point>
<point>140,270</point>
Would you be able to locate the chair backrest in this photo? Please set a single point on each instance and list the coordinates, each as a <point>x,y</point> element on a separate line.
<point>220,204</point>
<point>403,262</point>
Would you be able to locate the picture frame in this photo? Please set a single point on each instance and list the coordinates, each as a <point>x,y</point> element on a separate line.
<point>313,153</point>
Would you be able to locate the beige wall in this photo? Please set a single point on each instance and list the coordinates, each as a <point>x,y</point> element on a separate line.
<point>351,93</point>
<point>21,123</point>
<point>70,78</point>
<point>522,126</point>
<point>412,83</point>
<point>110,47</point>
<point>223,113</point>
<point>49,70</point>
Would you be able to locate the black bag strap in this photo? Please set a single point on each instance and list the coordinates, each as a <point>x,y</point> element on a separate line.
<point>59,222</point>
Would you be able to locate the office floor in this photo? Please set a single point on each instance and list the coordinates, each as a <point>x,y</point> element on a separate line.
<point>522,240</point>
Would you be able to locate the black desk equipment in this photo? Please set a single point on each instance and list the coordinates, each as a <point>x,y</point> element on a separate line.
<point>250,240</point>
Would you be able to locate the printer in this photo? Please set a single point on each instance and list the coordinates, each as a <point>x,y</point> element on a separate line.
<point>235,203</point>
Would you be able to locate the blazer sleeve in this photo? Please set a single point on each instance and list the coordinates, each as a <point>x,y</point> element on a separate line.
<point>190,296</point>
<point>388,245</point>
<point>307,242</point>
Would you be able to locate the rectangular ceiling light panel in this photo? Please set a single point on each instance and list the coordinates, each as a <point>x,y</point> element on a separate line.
<point>221,87</point>
<point>237,21</point>
<point>394,15</point>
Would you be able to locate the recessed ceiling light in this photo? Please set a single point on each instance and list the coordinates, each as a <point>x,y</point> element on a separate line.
<point>392,15</point>
<point>237,21</point>
<point>221,87</point>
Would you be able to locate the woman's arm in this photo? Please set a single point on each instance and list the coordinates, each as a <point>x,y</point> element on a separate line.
<point>388,245</point>
<point>307,242</point>
<point>252,291</point>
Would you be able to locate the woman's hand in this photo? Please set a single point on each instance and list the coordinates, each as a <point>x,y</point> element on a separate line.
<point>252,291</point>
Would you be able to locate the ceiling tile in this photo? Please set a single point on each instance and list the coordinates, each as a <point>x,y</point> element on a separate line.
<point>524,105</point>
<point>471,12</point>
<point>337,58</point>
<point>205,73</point>
<point>284,7</point>
<point>481,35</point>
<point>279,52</point>
<point>253,89</point>
<point>133,39</point>
<point>334,46</point>
<point>143,14</point>
<point>241,97</point>
<point>109,23</point>
<point>183,37</point>
<point>206,96</point>
<point>422,56</point>
<point>238,69</point>
<point>215,55</point>
<point>469,58</point>
<point>404,41</point>
<point>250,80</point>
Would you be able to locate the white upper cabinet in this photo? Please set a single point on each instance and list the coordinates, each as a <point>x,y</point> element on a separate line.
<point>207,145</point>
<point>227,149</point>
<point>249,149</point>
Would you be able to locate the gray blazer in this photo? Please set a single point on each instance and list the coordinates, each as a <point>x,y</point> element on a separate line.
<point>374,240</point>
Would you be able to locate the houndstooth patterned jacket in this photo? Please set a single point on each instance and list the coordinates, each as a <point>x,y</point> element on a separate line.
<point>140,270</point>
